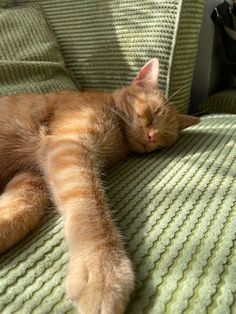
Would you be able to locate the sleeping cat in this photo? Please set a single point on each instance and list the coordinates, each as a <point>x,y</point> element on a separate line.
<point>55,146</point>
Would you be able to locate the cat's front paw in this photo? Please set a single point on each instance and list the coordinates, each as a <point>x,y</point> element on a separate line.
<point>100,283</point>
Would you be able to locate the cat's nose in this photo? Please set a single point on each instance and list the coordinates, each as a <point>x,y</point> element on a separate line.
<point>152,135</point>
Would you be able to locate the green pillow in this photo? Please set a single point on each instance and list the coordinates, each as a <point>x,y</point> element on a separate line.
<point>30,60</point>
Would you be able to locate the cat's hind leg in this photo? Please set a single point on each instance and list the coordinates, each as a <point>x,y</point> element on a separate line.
<point>22,204</point>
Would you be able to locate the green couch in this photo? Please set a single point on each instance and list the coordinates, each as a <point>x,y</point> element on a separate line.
<point>175,208</point>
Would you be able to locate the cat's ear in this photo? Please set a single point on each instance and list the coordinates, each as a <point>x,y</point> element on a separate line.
<point>148,75</point>
<point>186,121</point>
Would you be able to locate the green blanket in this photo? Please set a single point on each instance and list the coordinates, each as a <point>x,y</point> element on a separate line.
<point>177,211</point>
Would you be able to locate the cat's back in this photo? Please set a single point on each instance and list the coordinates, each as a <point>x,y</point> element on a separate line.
<point>90,118</point>
<point>25,118</point>
<point>20,117</point>
<point>17,111</point>
<point>28,121</point>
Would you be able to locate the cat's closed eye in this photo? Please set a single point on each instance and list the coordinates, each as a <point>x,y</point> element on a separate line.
<point>145,117</point>
<point>158,111</point>
<point>149,120</point>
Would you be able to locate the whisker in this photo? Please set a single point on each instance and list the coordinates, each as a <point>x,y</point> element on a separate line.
<point>175,93</point>
<point>171,103</point>
<point>122,116</point>
<point>201,112</point>
<point>118,113</point>
<point>174,102</point>
<point>121,85</point>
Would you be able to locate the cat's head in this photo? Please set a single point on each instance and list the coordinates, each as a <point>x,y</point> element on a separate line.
<point>149,120</point>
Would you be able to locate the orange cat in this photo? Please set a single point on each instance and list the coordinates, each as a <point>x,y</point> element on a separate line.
<point>56,145</point>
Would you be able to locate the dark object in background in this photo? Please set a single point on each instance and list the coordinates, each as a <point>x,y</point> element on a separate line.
<point>224,16</point>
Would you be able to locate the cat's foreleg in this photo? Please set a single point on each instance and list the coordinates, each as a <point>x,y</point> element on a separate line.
<point>22,204</point>
<point>100,276</point>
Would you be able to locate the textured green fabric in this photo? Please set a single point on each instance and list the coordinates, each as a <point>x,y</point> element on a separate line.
<point>6,3</point>
<point>30,60</point>
<point>184,52</point>
<point>223,102</point>
<point>177,211</point>
<point>106,42</point>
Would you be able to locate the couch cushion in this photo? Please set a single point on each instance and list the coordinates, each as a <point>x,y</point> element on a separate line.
<point>6,3</point>
<point>105,42</point>
<point>222,102</point>
<point>177,211</point>
<point>30,60</point>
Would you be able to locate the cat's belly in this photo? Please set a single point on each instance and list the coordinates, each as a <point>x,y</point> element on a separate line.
<point>18,147</point>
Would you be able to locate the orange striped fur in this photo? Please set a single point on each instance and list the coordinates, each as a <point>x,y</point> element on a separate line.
<point>56,145</point>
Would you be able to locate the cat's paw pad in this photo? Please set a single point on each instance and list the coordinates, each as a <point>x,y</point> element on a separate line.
<point>100,284</point>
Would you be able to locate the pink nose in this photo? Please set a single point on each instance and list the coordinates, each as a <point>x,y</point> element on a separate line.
<point>152,135</point>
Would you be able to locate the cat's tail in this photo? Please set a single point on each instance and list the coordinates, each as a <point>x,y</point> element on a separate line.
<point>22,204</point>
